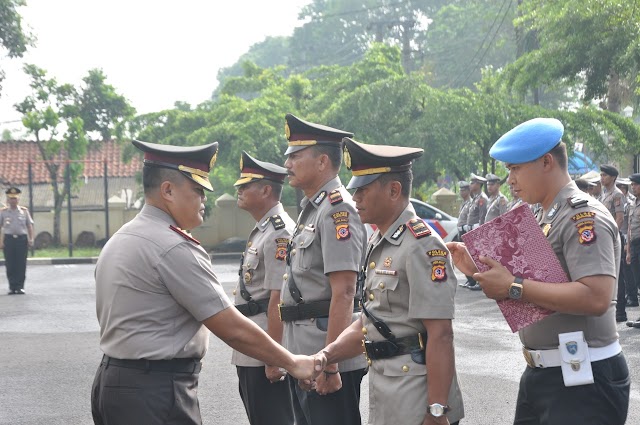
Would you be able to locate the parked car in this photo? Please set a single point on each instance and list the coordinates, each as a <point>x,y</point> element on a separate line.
<point>442,223</point>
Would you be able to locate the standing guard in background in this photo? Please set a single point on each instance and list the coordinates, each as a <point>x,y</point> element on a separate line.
<point>625,268</point>
<point>497,201</point>
<point>408,298</point>
<point>16,236</point>
<point>612,198</point>
<point>477,214</point>
<point>465,194</point>
<point>515,201</point>
<point>576,372</point>
<point>318,297</point>
<point>633,241</point>
<point>263,388</point>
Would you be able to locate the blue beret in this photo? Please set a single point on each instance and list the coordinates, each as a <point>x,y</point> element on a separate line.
<point>528,141</point>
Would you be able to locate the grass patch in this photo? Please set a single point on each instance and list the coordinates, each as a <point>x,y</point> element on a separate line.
<point>62,252</point>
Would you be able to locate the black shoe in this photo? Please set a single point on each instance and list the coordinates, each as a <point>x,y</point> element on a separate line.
<point>475,287</point>
<point>631,323</point>
<point>632,303</point>
<point>19,291</point>
<point>622,317</point>
<point>11,292</point>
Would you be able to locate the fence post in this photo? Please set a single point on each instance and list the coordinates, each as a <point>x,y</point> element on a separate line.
<point>67,182</point>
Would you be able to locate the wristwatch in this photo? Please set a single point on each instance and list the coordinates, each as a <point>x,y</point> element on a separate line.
<point>436,409</point>
<point>515,290</point>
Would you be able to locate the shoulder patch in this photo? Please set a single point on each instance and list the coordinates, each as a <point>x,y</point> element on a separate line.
<point>438,271</point>
<point>399,231</point>
<point>184,234</point>
<point>281,248</point>
<point>419,228</point>
<point>585,214</point>
<point>586,232</point>
<point>340,217</point>
<point>577,201</point>
<point>335,197</point>
<point>437,253</point>
<point>320,197</point>
<point>277,222</point>
<point>481,202</point>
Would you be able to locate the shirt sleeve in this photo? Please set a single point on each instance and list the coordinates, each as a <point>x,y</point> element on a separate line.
<point>343,238</point>
<point>187,273</point>
<point>618,202</point>
<point>275,251</point>
<point>432,281</point>
<point>589,246</point>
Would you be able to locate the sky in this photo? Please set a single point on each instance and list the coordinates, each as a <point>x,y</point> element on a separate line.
<point>154,52</point>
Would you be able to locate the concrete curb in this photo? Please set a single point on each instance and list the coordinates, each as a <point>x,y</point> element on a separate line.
<point>93,260</point>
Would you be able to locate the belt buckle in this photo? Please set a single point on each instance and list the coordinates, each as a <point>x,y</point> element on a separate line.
<point>528,358</point>
<point>15,236</point>
<point>364,350</point>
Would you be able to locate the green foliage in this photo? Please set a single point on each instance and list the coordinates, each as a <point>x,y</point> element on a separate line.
<point>14,40</point>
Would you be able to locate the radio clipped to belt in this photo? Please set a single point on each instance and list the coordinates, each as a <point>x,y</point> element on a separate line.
<point>252,307</point>
<point>575,359</point>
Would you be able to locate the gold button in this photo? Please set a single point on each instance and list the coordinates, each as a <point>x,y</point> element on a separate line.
<point>293,251</point>
<point>364,330</point>
<point>372,264</point>
<point>285,276</point>
<point>300,227</point>
<point>249,243</point>
<point>234,292</point>
<point>247,277</point>
<point>369,362</point>
<point>405,368</point>
<point>381,285</point>
<point>371,297</point>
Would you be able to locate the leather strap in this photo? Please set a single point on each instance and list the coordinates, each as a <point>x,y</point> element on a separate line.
<point>252,308</point>
<point>377,350</point>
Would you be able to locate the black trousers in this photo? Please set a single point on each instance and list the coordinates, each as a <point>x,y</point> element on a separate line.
<point>264,402</point>
<point>339,408</point>
<point>621,304</point>
<point>15,260</point>
<point>124,396</point>
<point>544,400</point>
<point>633,284</point>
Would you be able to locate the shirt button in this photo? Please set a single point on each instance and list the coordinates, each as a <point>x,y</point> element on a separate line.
<point>364,330</point>
<point>249,243</point>
<point>381,285</point>
<point>405,368</point>
<point>369,362</point>
<point>371,297</point>
<point>372,264</point>
<point>285,276</point>
<point>293,251</point>
<point>235,292</point>
<point>301,226</point>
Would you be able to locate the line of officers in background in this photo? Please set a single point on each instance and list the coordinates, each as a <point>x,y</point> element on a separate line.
<point>618,194</point>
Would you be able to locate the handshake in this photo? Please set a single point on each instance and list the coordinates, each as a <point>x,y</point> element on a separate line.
<point>312,373</point>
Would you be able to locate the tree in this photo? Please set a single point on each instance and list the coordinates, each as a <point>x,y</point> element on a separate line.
<point>13,38</point>
<point>595,42</point>
<point>60,117</point>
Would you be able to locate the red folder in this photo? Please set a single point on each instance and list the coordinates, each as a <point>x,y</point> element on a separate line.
<point>516,241</point>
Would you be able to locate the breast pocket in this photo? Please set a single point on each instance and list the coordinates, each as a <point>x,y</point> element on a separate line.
<point>383,287</point>
<point>303,255</point>
<point>250,265</point>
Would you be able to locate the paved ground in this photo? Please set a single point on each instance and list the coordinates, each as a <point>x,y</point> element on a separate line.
<point>49,353</point>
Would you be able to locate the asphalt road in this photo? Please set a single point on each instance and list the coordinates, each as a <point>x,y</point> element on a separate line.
<point>49,353</point>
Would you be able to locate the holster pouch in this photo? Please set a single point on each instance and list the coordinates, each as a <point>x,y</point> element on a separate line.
<point>575,359</point>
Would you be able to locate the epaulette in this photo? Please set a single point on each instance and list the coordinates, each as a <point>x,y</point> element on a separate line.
<point>184,234</point>
<point>577,201</point>
<point>418,227</point>
<point>335,197</point>
<point>320,197</point>
<point>277,222</point>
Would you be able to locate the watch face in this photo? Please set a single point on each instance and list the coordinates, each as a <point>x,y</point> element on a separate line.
<point>436,410</point>
<point>515,292</point>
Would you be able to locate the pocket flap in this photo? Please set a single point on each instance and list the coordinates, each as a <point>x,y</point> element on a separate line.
<point>573,347</point>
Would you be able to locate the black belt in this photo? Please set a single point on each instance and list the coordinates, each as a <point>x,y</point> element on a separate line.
<point>184,365</point>
<point>377,350</point>
<point>14,236</point>
<point>635,241</point>
<point>308,310</point>
<point>251,308</point>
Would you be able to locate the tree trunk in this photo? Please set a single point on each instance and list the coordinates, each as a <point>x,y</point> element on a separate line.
<point>614,93</point>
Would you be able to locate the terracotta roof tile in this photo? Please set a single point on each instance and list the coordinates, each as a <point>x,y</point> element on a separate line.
<point>15,155</point>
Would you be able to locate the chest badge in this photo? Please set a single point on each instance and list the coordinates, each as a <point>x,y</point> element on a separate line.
<point>387,262</point>
<point>553,211</point>
<point>545,229</point>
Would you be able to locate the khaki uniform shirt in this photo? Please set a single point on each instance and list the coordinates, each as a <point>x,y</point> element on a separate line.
<point>614,200</point>
<point>154,287</point>
<point>514,203</point>
<point>329,237</point>
<point>409,278</point>
<point>15,221</point>
<point>263,267</point>
<point>587,242</point>
<point>634,221</point>
<point>629,201</point>
<point>497,207</point>
<point>464,213</point>
<point>477,210</point>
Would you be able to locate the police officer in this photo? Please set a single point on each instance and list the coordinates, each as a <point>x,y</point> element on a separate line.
<point>157,297</point>
<point>263,389</point>
<point>497,201</point>
<point>477,214</point>
<point>465,194</point>
<point>320,283</point>
<point>633,241</point>
<point>612,198</point>
<point>586,240</point>
<point>583,185</point>
<point>408,297</point>
<point>17,237</point>
<point>625,268</point>
<point>515,201</point>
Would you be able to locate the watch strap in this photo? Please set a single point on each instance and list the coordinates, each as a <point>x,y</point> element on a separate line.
<point>518,280</point>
